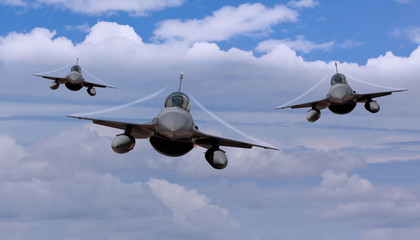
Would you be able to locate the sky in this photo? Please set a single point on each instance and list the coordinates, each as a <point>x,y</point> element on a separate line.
<point>352,176</point>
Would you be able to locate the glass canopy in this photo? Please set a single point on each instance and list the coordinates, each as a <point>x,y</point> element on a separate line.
<point>178,99</point>
<point>338,78</point>
<point>76,68</point>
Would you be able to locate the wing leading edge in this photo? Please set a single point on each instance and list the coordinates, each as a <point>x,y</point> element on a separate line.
<point>59,80</point>
<point>139,131</point>
<point>207,141</point>
<point>367,96</point>
<point>320,104</point>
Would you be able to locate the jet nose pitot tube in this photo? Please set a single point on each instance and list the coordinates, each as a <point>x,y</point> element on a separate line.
<point>174,123</point>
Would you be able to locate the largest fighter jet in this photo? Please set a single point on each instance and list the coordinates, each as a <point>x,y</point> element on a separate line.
<point>173,133</point>
<point>74,81</point>
<point>341,99</point>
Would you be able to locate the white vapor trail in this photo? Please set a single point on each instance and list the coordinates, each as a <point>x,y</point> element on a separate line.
<point>227,124</point>
<point>305,93</point>
<point>56,70</point>
<point>372,84</point>
<point>97,79</point>
<point>121,106</point>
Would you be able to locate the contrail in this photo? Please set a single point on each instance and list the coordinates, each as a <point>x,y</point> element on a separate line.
<point>372,84</point>
<point>97,79</point>
<point>304,94</point>
<point>227,124</point>
<point>122,106</point>
<point>56,70</point>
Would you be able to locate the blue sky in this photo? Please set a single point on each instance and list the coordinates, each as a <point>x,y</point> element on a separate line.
<point>351,176</point>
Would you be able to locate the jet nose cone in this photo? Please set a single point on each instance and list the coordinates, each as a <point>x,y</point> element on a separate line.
<point>340,92</point>
<point>175,124</point>
<point>75,77</point>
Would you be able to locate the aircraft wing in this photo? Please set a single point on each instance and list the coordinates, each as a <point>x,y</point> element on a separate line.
<point>206,141</point>
<point>321,104</point>
<point>365,97</point>
<point>58,79</point>
<point>90,84</point>
<point>137,130</point>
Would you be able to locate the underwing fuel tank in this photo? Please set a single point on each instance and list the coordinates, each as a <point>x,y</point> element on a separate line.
<point>313,115</point>
<point>216,158</point>
<point>372,106</point>
<point>54,85</point>
<point>123,143</point>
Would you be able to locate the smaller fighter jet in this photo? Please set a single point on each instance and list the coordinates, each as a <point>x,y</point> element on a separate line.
<point>173,133</point>
<point>341,99</point>
<point>74,81</point>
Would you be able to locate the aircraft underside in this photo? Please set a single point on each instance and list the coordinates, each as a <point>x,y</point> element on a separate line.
<point>342,108</point>
<point>172,148</point>
<point>73,87</point>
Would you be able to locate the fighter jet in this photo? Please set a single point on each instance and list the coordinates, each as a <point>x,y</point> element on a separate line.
<point>341,99</point>
<point>173,133</point>
<point>74,81</point>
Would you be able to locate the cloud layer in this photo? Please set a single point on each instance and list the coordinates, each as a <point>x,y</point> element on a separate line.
<point>95,7</point>
<point>226,23</point>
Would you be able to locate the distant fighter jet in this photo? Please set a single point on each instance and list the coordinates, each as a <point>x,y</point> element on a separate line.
<point>74,81</point>
<point>173,133</point>
<point>341,99</point>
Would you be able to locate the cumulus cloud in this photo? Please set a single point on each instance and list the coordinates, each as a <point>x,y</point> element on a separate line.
<point>226,23</point>
<point>360,202</point>
<point>300,44</point>
<point>96,7</point>
<point>412,33</point>
<point>342,186</point>
<point>303,3</point>
<point>304,46</point>
<point>73,186</point>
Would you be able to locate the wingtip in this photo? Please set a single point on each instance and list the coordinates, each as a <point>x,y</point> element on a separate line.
<point>70,116</point>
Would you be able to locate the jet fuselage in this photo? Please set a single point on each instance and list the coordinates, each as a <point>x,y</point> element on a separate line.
<point>74,81</point>
<point>174,127</point>
<point>341,97</point>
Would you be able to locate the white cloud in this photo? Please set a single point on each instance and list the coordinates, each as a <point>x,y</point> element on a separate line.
<point>303,3</point>
<point>402,1</point>
<point>226,23</point>
<point>360,202</point>
<point>342,186</point>
<point>300,44</point>
<point>390,234</point>
<point>50,181</point>
<point>82,28</point>
<point>413,34</point>
<point>96,7</point>
<point>18,3</point>
<point>191,209</point>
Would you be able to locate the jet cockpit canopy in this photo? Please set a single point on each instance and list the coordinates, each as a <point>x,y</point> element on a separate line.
<point>76,68</point>
<point>338,78</point>
<point>178,99</point>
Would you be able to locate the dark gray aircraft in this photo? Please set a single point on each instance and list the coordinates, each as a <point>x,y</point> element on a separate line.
<point>173,133</point>
<point>74,81</point>
<point>341,99</point>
